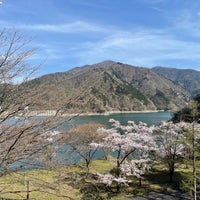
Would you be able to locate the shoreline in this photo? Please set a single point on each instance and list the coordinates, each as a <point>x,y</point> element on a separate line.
<point>46,113</point>
<point>120,112</point>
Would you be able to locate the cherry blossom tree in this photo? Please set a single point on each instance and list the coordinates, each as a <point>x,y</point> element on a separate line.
<point>136,167</point>
<point>109,180</point>
<point>128,140</point>
<point>132,145</point>
<point>169,137</point>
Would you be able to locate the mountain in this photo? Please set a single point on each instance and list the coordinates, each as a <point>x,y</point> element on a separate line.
<point>109,86</point>
<point>187,78</point>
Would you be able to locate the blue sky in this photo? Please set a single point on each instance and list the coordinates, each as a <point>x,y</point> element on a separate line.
<point>72,33</point>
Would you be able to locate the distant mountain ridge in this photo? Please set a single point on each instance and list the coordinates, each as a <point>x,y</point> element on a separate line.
<point>110,86</point>
<point>187,78</point>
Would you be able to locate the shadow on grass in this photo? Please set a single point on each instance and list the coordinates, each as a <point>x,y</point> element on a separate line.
<point>154,184</point>
<point>181,182</point>
<point>162,178</point>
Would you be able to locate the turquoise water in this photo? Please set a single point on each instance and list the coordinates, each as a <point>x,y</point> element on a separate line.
<point>149,118</point>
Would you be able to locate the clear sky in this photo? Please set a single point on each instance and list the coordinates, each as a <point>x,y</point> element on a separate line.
<point>72,33</point>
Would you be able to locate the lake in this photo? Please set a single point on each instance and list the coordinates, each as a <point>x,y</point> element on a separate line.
<point>147,117</point>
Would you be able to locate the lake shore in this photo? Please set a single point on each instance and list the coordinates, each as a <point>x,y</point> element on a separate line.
<point>49,113</point>
<point>120,112</point>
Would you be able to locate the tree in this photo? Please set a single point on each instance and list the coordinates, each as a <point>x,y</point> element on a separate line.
<point>169,137</point>
<point>22,137</point>
<point>109,180</point>
<point>132,145</point>
<point>127,140</point>
<point>187,113</point>
<point>191,114</point>
<point>192,142</point>
<point>136,167</point>
<point>78,140</point>
<point>12,67</point>
<point>194,106</point>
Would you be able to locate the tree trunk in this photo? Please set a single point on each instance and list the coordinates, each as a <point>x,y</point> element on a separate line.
<point>27,192</point>
<point>171,171</point>
<point>88,162</point>
<point>194,164</point>
<point>118,188</point>
<point>140,181</point>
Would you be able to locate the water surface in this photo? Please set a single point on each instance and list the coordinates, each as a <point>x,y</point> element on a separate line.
<point>151,118</point>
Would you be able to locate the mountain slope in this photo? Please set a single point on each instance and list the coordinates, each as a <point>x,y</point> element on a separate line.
<point>110,86</point>
<point>187,78</point>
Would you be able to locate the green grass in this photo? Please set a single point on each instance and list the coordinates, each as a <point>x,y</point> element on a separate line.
<point>43,184</point>
<point>74,182</point>
<point>47,184</point>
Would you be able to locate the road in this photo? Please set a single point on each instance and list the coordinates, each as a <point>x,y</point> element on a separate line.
<point>166,195</point>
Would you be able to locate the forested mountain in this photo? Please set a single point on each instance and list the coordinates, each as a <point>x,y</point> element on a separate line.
<point>109,86</point>
<point>188,78</point>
